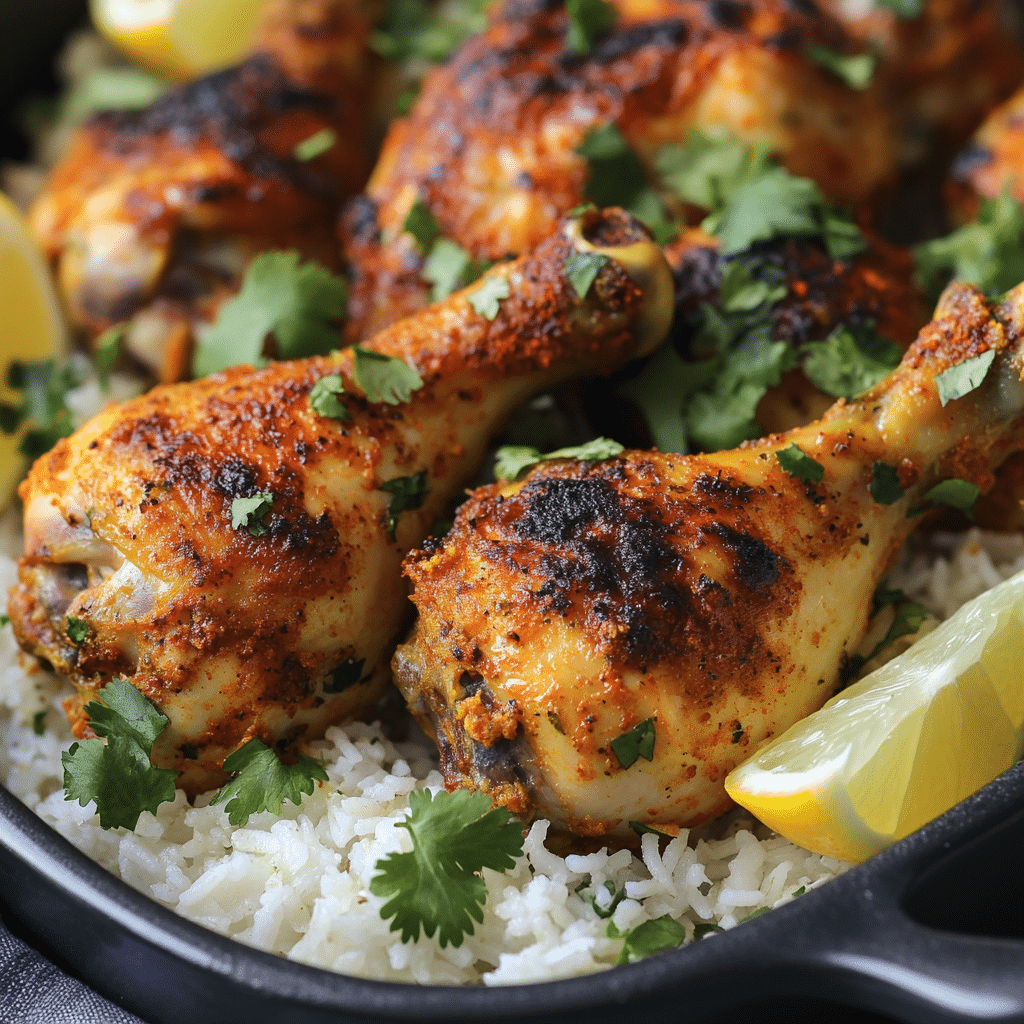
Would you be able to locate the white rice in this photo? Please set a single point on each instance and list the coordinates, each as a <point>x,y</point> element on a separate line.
<point>298,884</point>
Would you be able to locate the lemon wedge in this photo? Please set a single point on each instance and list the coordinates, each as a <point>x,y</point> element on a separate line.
<point>904,744</point>
<point>32,327</point>
<point>179,39</point>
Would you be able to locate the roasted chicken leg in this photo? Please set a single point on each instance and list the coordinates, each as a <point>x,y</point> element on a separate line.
<point>279,625</point>
<point>600,643</point>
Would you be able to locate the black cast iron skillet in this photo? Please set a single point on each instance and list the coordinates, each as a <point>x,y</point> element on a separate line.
<point>929,932</point>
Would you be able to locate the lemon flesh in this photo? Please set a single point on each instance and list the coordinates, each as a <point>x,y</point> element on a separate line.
<point>904,744</point>
<point>179,39</point>
<point>31,326</point>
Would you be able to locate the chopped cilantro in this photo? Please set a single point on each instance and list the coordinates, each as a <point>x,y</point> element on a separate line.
<point>642,830</point>
<point>39,722</point>
<point>650,937</point>
<point>407,494</point>
<point>800,465</point>
<point>251,513</point>
<point>118,774</point>
<point>78,629</point>
<point>486,299</point>
<point>754,913</point>
<point>988,252</point>
<point>905,9</point>
<point>264,782</point>
<point>616,896</point>
<point>843,239</point>
<point>106,349</point>
<point>424,30</point>
<point>316,145</point>
<point>347,674</point>
<point>956,493</point>
<point>799,892</point>
<point>582,268</point>
<point>513,459</point>
<point>420,223</point>
<point>907,619</point>
<point>637,743</point>
<point>704,928</point>
<point>588,20</point>
<point>110,88</point>
<point>5,619</point>
<point>323,398</point>
<point>844,364</point>
<point>885,484</point>
<point>43,409</point>
<point>300,306</point>
<point>437,886</point>
<point>448,266</point>
<point>660,392</point>
<point>963,378</point>
<point>856,70</point>
<point>384,378</point>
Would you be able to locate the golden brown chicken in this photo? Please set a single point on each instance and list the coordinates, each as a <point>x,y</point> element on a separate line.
<point>601,643</point>
<point>491,147</point>
<point>153,215</point>
<point>234,549</point>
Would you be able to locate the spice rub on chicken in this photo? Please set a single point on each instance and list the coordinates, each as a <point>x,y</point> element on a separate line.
<point>152,216</point>
<point>491,150</point>
<point>233,546</point>
<point>600,643</point>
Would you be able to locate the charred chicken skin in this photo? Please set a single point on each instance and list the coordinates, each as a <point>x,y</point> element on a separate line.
<point>132,524</point>
<point>600,643</point>
<point>491,145</point>
<point>153,215</point>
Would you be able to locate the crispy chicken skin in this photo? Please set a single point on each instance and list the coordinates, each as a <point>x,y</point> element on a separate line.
<point>153,215</point>
<point>490,146</point>
<point>128,523</point>
<point>713,596</point>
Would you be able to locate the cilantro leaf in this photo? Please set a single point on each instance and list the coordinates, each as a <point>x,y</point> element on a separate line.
<point>384,378</point>
<point>118,774</point>
<point>39,722</point>
<point>449,266</point>
<point>650,937</point>
<point>637,743</point>
<point>885,484</point>
<point>907,619</point>
<point>106,349</point>
<point>407,494</point>
<point>251,512</point>
<point>437,886</point>
<point>905,9</point>
<point>988,252</point>
<point>843,365</point>
<point>856,70</point>
<point>800,465</point>
<point>421,224</point>
<point>617,896</point>
<point>963,378</point>
<point>703,928</point>
<point>77,629</point>
<point>660,391</point>
<point>843,238</point>
<point>301,306</point>
<point>412,29</point>
<point>513,459</point>
<point>582,268</point>
<point>43,407</point>
<point>486,299</point>
<point>264,781</point>
<point>316,145</point>
<point>110,88</point>
<point>323,398</point>
<point>588,20</point>
<point>956,493</point>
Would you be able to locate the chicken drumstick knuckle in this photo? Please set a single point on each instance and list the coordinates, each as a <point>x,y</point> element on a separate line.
<point>601,642</point>
<point>281,630</point>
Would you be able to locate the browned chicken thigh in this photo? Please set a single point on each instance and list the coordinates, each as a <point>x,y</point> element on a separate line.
<point>234,548</point>
<point>600,643</point>
<point>490,149</point>
<point>152,216</point>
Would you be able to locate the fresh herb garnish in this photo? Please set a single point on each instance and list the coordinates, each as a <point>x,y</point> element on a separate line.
<point>650,937</point>
<point>588,20</point>
<point>856,70</point>
<point>39,722</point>
<point>448,267</point>
<point>582,269</point>
<point>616,896</point>
<point>486,299</point>
<point>323,398</point>
<point>106,349</point>
<point>908,618</point>
<point>799,892</point>
<point>77,629</point>
<point>264,782</point>
<point>109,88</point>
<point>956,493</point>
<point>316,145</point>
<point>118,774</point>
<point>704,928</point>
<point>846,364</point>
<point>419,29</point>
<point>905,9</point>
<point>800,465</point>
<point>885,484</point>
<point>637,743</point>
<point>421,224</point>
<point>511,460</point>
<point>710,166</point>
<point>407,494</point>
<point>43,409</point>
<point>384,378</point>
<point>754,913</point>
<point>963,378</point>
<point>300,306</point>
<point>5,619</point>
<point>251,513</point>
<point>347,674</point>
<point>437,886</point>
